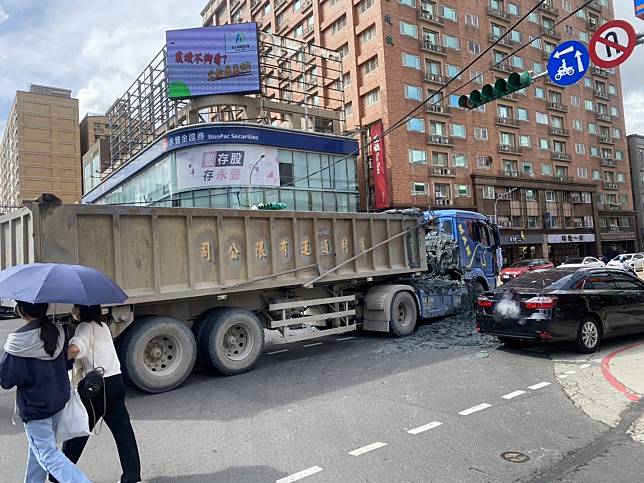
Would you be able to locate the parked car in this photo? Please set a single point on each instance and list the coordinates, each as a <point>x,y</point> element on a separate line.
<point>564,304</point>
<point>524,266</point>
<point>583,262</point>
<point>628,261</point>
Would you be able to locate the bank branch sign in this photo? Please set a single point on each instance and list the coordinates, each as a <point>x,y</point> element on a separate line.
<point>212,60</point>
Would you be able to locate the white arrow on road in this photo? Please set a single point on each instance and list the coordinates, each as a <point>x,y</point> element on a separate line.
<point>563,52</point>
<point>580,64</point>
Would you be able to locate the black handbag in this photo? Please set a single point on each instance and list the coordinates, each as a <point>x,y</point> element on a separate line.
<point>91,385</point>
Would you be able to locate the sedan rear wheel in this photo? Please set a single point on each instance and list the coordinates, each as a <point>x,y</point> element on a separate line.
<point>588,336</point>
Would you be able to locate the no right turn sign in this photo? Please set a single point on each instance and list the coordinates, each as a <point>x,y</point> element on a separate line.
<point>612,44</point>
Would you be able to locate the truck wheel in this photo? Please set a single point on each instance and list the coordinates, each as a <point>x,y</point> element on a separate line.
<point>157,353</point>
<point>404,314</point>
<point>231,341</point>
<point>198,327</point>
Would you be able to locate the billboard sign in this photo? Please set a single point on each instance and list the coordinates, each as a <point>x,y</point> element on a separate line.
<point>227,165</point>
<point>208,61</point>
<point>380,180</point>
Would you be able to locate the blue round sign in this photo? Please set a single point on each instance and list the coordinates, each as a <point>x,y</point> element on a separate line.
<point>568,63</point>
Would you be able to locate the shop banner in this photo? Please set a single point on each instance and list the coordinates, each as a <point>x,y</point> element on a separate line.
<point>379,166</point>
<point>572,238</point>
<point>227,165</point>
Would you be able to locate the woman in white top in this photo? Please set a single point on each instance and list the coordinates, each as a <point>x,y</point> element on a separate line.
<point>92,347</point>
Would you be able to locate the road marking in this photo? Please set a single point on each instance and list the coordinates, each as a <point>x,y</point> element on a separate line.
<point>584,366</point>
<point>570,373</point>
<point>347,338</point>
<point>426,427</point>
<point>311,345</point>
<point>513,394</point>
<point>276,352</point>
<point>474,409</point>
<point>366,449</point>
<point>562,376</point>
<point>298,476</point>
<point>539,386</point>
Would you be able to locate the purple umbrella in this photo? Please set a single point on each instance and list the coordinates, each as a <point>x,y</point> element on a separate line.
<point>59,283</point>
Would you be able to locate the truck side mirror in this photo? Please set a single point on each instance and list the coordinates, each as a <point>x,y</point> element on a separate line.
<point>496,235</point>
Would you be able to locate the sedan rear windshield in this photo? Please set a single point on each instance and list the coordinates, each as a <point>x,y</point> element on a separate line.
<point>541,279</point>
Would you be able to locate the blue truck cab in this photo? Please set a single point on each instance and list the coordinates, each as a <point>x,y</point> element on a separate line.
<point>477,240</point>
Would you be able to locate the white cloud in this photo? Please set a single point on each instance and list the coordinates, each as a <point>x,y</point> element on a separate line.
<point>3,15</point>
<point>634,105</point>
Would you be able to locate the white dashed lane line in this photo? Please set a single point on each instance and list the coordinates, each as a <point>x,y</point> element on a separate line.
<point>276,352</point>
<point>513,394</point>
<point>562,376</point>
<point>298,476</point>
<point>426,427</point>
<point>570,373</point>
<point>539,385</point>
<point>584,366</point>
<point>366,449</point>
<point>314,344</point>
<point>347,338</point>
<point>475,409</point>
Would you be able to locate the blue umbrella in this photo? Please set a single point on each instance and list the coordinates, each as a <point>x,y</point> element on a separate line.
<point>59,283</point>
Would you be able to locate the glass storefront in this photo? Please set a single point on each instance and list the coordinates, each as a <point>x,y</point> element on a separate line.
<point>308,181</point>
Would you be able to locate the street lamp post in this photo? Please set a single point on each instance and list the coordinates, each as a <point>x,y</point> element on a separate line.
<point>502,196</point>
<point>250,177</point>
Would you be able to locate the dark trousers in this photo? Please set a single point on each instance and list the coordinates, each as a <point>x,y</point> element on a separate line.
<point>118,420</point>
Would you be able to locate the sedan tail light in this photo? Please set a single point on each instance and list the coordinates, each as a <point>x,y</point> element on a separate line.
<point>485,302</point>
<point>541,303</point>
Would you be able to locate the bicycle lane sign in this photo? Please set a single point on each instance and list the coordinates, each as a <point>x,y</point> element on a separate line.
<point>568,63</point>
<point>612,44</point>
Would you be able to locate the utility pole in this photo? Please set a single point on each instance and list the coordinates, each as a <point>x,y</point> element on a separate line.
<point>501,196</point>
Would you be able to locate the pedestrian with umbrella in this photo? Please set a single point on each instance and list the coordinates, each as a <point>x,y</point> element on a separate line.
<point>42,341</point>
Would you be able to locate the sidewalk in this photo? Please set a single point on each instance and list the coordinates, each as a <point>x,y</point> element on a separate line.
<point>614,380</point>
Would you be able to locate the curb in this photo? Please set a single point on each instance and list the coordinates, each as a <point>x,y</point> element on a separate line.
<point>612,380</point>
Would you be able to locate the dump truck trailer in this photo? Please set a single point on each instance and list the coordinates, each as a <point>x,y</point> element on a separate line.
<point>203,284</point>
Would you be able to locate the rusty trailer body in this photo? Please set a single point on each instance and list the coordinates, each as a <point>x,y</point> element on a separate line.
<point>209,281</point>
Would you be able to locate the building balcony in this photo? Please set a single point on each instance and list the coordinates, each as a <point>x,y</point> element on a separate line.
<point>576,200</point>
<point>591,25</point>
<point>439,140</point>
<point>608,185</point>
<point>428,17</point>
<point>595,5</point>
<point>555,106</point>
<point>500,14</point>
<point>500,41</point>
<point>602,116</point>
<point>306,4</point>
<point>434,48</point>
<point>507,121</point>
<point>551,9</point>
<point>558,156</point>
<point>600,72</point>
<point>254,4</point>
<point>503,66</point>
<point>559,131</point>
<point>565,179</point>
<point>307,31</point>
<point>441,171</point>
<point>608,162</point>
<point>234,5</point>
<point>602,94</point>
<point>606,140</point>
<point>439,109</point>
<point>509,149</point>
<point>435,79</point>
<point>510,173</point>
<point>551,32</point>
<point>610,206</point>
<point>279,3</point>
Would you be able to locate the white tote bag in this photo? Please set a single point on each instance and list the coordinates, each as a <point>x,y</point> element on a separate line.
<point>74,422</point>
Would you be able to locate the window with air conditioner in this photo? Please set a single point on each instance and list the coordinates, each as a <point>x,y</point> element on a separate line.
<point>418,156</point>
<point>418,188</point>
<point>462,190</point>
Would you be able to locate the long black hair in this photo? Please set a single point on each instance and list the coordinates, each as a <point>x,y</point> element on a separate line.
<point>48,330</point>
<point>90,313</point>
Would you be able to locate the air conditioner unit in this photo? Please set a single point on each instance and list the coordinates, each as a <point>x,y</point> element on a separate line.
<point>446,171</point>
<point>448,202</point>
<point>593,21</point>
<point>439,195</point>
<point>425,7</point>
<point>505,147</point>
<point>514,173</point>
<point>427,37</point>
<point>559,178</point>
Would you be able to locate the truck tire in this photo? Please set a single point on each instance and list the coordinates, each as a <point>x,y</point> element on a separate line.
<point>157,353</point>
<point>198,327</point>
<point>231,341</point>
<point>404,314</point>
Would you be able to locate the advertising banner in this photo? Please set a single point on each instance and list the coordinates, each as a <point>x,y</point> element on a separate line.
<point>212,60</point>
<point>227,165</point>
<point>572,238</point>
<point>379,167</point>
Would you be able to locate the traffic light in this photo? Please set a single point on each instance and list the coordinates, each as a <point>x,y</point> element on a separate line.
<point>271,206</point>
<point>490,92</point>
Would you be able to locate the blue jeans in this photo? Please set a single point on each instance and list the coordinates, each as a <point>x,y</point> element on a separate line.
<point>44,457</point>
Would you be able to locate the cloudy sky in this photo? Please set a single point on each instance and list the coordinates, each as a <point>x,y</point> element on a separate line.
<point>98,48</point>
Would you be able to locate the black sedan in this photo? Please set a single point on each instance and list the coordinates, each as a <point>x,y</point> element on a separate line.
<point>564,304</point>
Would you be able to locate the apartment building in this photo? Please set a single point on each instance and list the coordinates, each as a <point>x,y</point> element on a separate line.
<point>40,149</point>
<point>563,149</point>
<point>95,148</point>
<point>636,159</point>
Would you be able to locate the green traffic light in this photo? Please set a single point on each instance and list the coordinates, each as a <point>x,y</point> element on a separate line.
<point>464,102</point>
<point>520,81</point>
<point>501,88</point>
<point>516,81</point>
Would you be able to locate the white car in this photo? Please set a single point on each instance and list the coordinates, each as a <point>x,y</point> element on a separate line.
<point>628,261</point>
<point>585,262</point>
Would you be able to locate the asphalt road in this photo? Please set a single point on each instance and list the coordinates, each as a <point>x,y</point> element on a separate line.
<point>367,409</point>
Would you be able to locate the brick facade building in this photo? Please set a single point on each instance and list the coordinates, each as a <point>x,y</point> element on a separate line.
<point>564,149</point>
